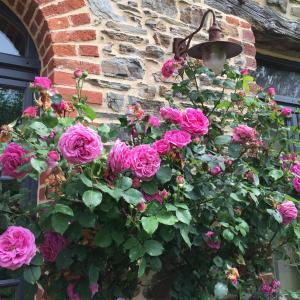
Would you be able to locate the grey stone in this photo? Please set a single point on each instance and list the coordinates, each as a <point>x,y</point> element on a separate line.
<point>165,7</point>
<point>159,78</point>
<point>121,67</point>
<point>282,4</point>
<point>127,49</point>
<point>162,39</point>
<point>163,91</point>
<point>107,48</point>
<point>147,91</point>
<point>191,15</point>
<point>109,84</point>
<point>173,21</point>
<point>115,101</point>
<point>123,37</point>
<point>129,8</point>
<point>149,13</point>
<point>103,9</point>
<point>295,11</point>
<point>150,106</point>
<point>155,52</point>
<point>156,24</point>
<point>125,28</point>
<point>132,3</point>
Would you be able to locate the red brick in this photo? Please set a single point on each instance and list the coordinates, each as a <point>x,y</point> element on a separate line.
<point>229,30</point>
<point>48,56</point>
<point>249,49</point>
<point>248,36</point>
<point>233,20</point>
<point>73,36</point>
<point>250,62</point>
<point>93,97</point>
<point>63,78</point>
<point>11,2</point>
<point>39,17</point>
<point>58,23</point>
<point>64,50</point>
<point>42,194</point>
<point>80,19</point>
<point>20,8</point>
<point>42,50</point>
<point>40,39</point>
<point>43,1</point>
<point>33,29</point>
<point>43,178</point>
<point>48,41</point>
<point>74,64</point>
<point>29,13</point>
<point>234,40</point>
<point>245,24</point>
<point>62,7</point>
<point>88,50</point>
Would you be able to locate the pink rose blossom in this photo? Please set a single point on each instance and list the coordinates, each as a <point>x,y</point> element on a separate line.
<point>43,83</point>
<point>156,197</point>
<point>216,170</point>
<point>210,234</point>
<point>178,138</point>
<point>17,247</point>
<point>53,155</point>
<point>266,289</point>
<point>180,179</point>
<point>136,183</point>
<point>296,169</point>
<point>72,293</point>
<point>276,284</point>
<point>164,194</point>
<point>286,112</point>
<point>78,73</point>
<point>30,112</point>
<point>52,245</point>
<point>80,144</point>
<point>12,158</point>
<point>250,176</point>
<point>94,289</point>
<point>168,68</point>
<point>59,108</point>
<point>145,162</point>
<point>245,72</point>
<point>215,245</point>
<point>243,134</point>
<point>162,146</point>
<point>296,183</point>
<point>141,207</point>
<point>194,121</point>
<point>271,91</point>
<point>53,133</point>
<point>119,158</point>
<point>288,211</point>
<point>171,114</point>
<point>154,121</point>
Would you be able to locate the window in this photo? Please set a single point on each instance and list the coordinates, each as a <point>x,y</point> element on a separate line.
<point>18,66</point>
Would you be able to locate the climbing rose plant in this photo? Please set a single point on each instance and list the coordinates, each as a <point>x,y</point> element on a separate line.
<point>202,196</point>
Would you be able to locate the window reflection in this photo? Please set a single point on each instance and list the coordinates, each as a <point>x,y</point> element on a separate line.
<point>11,104</point>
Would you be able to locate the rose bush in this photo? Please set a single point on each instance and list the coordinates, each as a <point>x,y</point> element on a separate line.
<point>203,197</point>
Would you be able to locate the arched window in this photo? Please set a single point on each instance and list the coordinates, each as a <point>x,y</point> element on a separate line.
<point>19,65</point>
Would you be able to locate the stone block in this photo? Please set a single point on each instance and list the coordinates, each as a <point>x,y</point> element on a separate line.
<point>147,91</point>
<point>154,52</point>
<point>125,28</point>
<point>115,101</point>
<point>103,9</point>
<point>162,39</point>
<point>165,7</point>
<point>295,11</point>
<point>281,4</point>
<point>123,37</point>
<point>109,84</point>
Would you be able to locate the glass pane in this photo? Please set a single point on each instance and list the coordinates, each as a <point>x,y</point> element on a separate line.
<point>11,105</point>
<point>6,46</point>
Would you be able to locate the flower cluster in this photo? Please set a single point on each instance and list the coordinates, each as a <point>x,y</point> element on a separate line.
<point>270,289</point>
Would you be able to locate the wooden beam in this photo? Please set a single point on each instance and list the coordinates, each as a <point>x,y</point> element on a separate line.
<point>272,31</point>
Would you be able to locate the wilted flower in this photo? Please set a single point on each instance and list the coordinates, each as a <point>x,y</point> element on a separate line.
<point>233,275</point>
<point>243,134</point>
<point>296,183</point>
<point>288,211</point>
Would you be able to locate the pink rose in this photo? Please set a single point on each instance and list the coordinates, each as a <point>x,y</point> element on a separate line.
<point>119,158</point>
<point>266,289</point>
<point>168,68</point>
<point>194,121</point>
<point>245,72</point>
<point>80,144</point>
<point>296,183</point>
<point>52,245</point>
<point>53,155</point>
<point>250,176</point>
<point>243,134</point>
<point>145,162</point>
<point>78,73</point>
<point>271,91</point>
<point>12,158</point>
<point>156,197</point>
<point>171,114</point>
<point>276,284</point>
<point>43,83</point>
<point>288,211</point>
<point>296,169</point>
<point>59,108</point>
<point>164,194</point>
<point>154,121</point>
<point>178,138</point>
<point>141,207</point>
<point>286,112</point>
<point>17,247</point>
<point>216,170</point>
<point>94,288</point>
<point>180,179</point>
<point>162,146</point>
<point>30,112</point>
<point>215,245</point>
<point>210,234</point>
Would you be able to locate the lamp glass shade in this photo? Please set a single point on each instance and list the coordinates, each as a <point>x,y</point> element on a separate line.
<point>214,56</point>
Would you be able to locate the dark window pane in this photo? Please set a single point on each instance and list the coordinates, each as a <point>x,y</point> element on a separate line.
<point>11,104</point>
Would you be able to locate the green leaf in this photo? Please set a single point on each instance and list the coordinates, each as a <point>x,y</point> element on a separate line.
<point>220,290</point>
<point>297,230</point>
<point>276,215</point>
<point>276,174</point>
<point>118,237</point>
<point>40,129</point>
<point>164,174</point>
<point>150,187</point>
<point>86,219</point>
<point>222,140</point>
<point>133,196</point>
<point>60,222</point>
<point>39,165</point>
<point>94,273</point>
<point>63,209</point>
<point>89,112</point>
<point>228,235</point>
<point>37,260</point>
<point>115,193</point>
<point>124,183</point>
<point>185,235</point>
<point>150,224</point>
<point>218,261</point>
<point>142,267</point>
<point>32,274</point>
<point>153,248</point>
<point>86,180</point>
<point>92,199</point>
<point>234,150</point>
<point>167,233</point>
<point>136,252</point>
<point>184,216</point>
<point>64,259</point>
<point>103,238</point>
<point>166,218</point>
